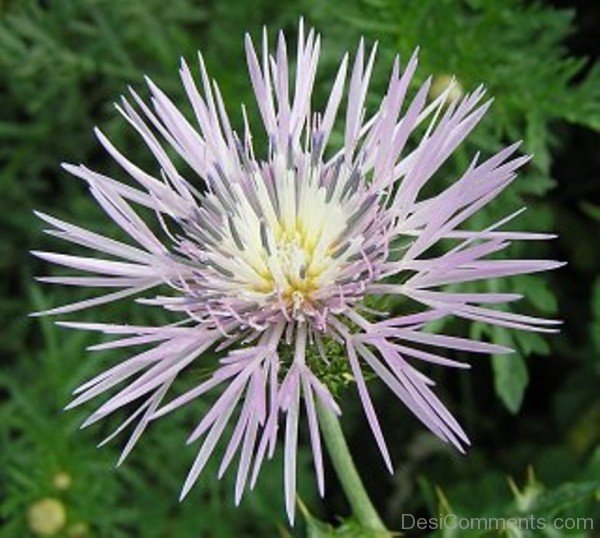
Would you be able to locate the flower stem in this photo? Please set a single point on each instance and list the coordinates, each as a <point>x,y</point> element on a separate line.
<point>362,507</point>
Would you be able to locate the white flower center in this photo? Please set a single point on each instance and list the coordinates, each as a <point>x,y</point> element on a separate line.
<point>285,240</point>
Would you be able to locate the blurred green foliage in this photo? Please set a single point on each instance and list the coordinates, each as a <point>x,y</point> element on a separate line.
<point>62,64</point>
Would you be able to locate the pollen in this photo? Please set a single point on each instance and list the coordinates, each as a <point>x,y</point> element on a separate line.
<point>280,244</point>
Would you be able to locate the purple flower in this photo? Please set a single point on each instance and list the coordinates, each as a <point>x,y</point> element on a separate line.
<point>271,258</point>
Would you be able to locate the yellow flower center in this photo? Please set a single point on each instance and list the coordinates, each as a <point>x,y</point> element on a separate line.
<point>287,242</point>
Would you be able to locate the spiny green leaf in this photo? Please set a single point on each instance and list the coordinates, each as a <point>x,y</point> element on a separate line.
<point>510,373</point>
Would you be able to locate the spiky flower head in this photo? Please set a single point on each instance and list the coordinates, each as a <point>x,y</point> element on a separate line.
<point>272,257</point>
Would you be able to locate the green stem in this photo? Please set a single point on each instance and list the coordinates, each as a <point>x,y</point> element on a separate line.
<point>362,507</point>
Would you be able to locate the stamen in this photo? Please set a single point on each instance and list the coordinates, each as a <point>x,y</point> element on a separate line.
<point>351,184</point>
<point>263,237</point>
<point>234,233</point>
